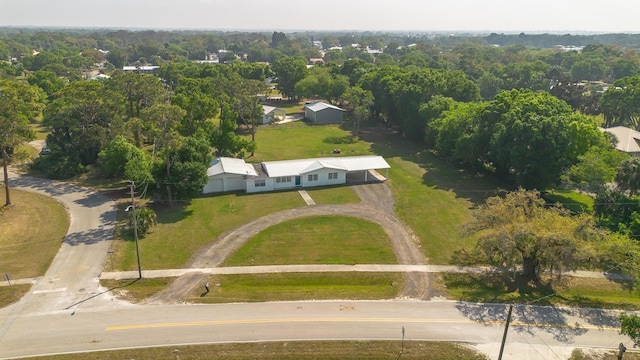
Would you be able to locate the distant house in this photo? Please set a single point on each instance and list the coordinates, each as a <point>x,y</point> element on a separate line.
<point>227,174</point>
<point>147,69</point>
<point>100,77</point>
<point>628,139</point>
<point>322,113</point>
<point>272,114</point>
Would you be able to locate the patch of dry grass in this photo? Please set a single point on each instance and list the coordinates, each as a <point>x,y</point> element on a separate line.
<point>301,350</point>
<point>33,228</point>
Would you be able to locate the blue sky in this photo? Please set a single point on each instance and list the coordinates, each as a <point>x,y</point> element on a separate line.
<point>387,15</point>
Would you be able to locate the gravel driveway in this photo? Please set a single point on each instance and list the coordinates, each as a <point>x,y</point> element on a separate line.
<point>376,206</point>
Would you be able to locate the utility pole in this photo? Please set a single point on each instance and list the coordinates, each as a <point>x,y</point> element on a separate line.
<point>621,350</point>
<point>135,225</point>
<point>506,329</point>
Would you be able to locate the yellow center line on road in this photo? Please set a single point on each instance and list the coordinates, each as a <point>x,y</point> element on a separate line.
<point>372,320</point>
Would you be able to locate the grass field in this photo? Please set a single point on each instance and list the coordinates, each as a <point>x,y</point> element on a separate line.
<point>291,107</point>
<point>432,197</point>
<point>306,142</point>
<point>317,240</point>
<point>571,291</point>
<point>186,227</point>
<point>28,250</point>
<point>11,294</point>
<point>273,287</point>
<point>574,201</point>
<point>302,350</point>
<point>300,286</point>
<point>333,195</point>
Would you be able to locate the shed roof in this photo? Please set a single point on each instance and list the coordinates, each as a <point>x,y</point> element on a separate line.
<point>269,109</point>
<point>224,165</point>
<point>628,139</point>
<point>321,106</point>
<point>302,166</point>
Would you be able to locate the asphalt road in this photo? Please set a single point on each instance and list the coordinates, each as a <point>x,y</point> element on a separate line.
<point>67,311</point>
<point>536,333</point>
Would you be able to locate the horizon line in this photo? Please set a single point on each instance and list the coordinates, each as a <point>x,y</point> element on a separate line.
<point>485,31</point>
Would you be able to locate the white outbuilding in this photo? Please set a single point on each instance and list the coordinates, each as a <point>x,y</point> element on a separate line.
<point>227,174</point>
<point>272,114</point>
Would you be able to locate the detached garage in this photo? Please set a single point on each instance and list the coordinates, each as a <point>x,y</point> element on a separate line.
<point>322,113</point>
<point>227,174</point>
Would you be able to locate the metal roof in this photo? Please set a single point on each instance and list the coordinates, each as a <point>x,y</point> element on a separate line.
<point>628,139</point>
<point>226,165</point>
<point>302,166</point>
<point>321,106</point>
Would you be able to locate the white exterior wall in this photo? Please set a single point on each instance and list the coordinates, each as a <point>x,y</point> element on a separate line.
<point>284,185</point>
<point>268,185</point>
<point>213,185</point>
<point>222,183</point>
<point>323,178</point>
<point>234,183</point>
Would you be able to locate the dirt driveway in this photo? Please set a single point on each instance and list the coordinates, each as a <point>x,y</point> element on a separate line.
<point>376,206</point>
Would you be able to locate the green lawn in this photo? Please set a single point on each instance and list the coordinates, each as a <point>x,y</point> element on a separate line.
<point>306,142</point>
<point>272,287</point>
<point>432,196</point>
<point>567,291</point>
<point>300,286</point>
<point>41,130</point>
<point>333,195</point>
<point>27,250</point>
<point>291,107</point>
<point>185,228</point>
<point>317,240</point>
<point>574,201</point>
<point>301,350</point>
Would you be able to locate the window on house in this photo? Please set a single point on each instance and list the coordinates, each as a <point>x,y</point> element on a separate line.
<point>283,179</point>
<point>333,176</point>
<point>260,183</point>
<point>313,177</point>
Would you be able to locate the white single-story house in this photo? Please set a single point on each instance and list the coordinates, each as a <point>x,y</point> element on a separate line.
<point>228,174</point>
<point>628,139</point>
<point>272,114</point>
<point>322,113</point>
<point>146,69</point>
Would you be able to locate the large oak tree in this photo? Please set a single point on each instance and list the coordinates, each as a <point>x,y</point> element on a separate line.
<point>521,231</point>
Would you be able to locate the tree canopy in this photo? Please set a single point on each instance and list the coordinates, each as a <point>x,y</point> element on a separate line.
<point>519,230</point>
<point>19,103</point>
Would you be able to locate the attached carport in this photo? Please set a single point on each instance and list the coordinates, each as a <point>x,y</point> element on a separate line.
<point>364,169</point>
<point>365,176</point>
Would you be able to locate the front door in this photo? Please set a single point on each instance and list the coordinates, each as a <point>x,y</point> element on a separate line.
<point>297,180</point>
